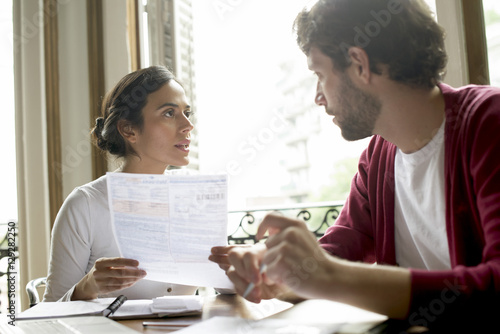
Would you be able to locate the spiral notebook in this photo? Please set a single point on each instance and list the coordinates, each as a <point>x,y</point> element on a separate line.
<point>170,306</point>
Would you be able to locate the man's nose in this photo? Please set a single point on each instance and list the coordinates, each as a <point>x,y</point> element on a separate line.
<point>320,98</point>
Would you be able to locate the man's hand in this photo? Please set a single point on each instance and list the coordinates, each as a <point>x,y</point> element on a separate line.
<point>108,275</point>
<point>292,255</point>
<point>245,268</point>
<point>294,258</point>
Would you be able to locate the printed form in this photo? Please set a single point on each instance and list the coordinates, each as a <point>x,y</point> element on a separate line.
<point>169,223</point>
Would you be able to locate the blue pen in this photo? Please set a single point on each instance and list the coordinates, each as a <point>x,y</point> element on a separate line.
<point>250,286</point>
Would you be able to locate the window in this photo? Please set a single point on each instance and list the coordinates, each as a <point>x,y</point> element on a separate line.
<point>168,40</point>
<point>8,194</point>
<point>256,119</point>
<point>256,112</point>
<point>492,23</point>
<point>432,5</point>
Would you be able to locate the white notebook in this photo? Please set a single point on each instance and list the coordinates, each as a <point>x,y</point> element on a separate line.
<point>131,309</point>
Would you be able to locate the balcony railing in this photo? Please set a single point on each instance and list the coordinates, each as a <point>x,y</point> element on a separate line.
<point>318,217</point>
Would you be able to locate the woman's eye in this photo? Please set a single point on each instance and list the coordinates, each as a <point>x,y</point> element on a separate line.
<point>188,113</point>
<point>168,113</point>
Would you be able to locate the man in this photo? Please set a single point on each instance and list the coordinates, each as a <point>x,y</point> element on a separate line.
<point>425,203</point>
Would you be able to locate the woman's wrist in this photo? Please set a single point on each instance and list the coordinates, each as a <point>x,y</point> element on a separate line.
<point>83,291</point>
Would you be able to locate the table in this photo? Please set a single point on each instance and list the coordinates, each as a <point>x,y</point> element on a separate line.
<point>311,311</point>
<point>218,305</point>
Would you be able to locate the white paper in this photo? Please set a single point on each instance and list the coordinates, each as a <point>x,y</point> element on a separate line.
<point>80,325</point>
<point>230,325</point>
<point>169,223</point>
<point>58,309</point>
<point>315,316</point>
<point>177,304</point>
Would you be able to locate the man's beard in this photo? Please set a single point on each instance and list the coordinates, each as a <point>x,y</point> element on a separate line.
<point>358,111</point>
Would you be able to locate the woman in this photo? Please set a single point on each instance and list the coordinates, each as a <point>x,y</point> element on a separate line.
<point>145,121</point>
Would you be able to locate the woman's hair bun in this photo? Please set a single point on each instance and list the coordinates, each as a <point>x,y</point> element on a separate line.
<point>99,123</point>
<point>97,131</point>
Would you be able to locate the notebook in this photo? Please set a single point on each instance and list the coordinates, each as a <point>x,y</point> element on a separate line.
<point>131,309</point>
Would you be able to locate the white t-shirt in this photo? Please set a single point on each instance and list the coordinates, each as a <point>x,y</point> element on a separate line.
<point>419,212</point>
<point>81,235</point>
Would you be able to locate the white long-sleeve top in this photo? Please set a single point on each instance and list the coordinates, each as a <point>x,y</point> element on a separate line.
<point>82,233</point>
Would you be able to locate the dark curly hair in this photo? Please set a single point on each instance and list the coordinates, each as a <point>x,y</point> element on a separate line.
<point>401,34</point>
<point>125,102</point>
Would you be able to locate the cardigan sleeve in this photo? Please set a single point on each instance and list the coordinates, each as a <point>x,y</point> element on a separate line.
<point>70,247</point>
<point>351,237</point>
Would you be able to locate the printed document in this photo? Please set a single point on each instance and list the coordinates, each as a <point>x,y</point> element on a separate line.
<point>169,223</point>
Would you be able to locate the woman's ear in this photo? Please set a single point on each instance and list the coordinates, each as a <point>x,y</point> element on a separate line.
<point>360,64</point>
<point>127,131</point>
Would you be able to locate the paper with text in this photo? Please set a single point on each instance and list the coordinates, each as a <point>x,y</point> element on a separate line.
<point>169,223</point>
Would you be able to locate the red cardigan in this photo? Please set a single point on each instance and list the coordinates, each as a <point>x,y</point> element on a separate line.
<point>365,229</point>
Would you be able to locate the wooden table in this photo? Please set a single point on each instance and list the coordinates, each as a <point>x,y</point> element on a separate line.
<point>220,305</point>
<point>307,312</point>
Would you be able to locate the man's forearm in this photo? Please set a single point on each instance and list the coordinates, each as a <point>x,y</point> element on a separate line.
<point>382,289</point>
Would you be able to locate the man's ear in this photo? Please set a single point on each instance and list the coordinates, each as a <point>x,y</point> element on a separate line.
<point>360,64</point>
<point>127,131</point>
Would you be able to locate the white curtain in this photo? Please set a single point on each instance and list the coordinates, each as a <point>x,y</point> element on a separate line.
<point>34,221</point>
<point>31,121</point>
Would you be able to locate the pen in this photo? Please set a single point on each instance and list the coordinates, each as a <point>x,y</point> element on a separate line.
<point>115,305</point>
<point>166,324</point>
<point>251,285</point>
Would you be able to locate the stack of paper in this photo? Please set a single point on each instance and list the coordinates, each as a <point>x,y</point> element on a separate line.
<point>313,316</point>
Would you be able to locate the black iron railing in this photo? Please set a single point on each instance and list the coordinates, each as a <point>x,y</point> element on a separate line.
<point>318,217</point>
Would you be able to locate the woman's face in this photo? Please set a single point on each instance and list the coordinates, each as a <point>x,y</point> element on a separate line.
<point>165,136</point>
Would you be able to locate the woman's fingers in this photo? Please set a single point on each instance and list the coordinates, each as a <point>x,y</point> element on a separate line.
<point>220,255</point>
<point>119,267</point>
<point>112,274</point>
<point>115,262</point>
<point>110,284</point>
<point>123,273</point>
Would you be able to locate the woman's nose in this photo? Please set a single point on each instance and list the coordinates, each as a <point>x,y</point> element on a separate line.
<point>188,126</point>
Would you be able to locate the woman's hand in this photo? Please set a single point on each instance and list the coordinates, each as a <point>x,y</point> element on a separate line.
<point>220,255</point>
<point>108,275</point>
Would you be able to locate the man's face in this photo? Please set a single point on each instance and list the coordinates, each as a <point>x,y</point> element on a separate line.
<point>354,110</point>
